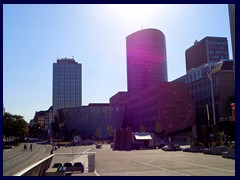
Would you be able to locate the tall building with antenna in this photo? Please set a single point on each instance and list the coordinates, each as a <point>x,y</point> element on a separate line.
<point>67,84</point>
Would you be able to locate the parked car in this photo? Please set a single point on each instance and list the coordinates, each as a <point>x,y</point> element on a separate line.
<point>57,165</point>
<point>79,166</point>
<point>172,147</point>
<point>160,143</point>
<point>88,142</point>
<point>67,164</point>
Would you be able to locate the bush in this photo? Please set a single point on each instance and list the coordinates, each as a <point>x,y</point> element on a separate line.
<point>197,144</point>
<point>8,147</point>
<point>232,146</point>
<point>215,144</point>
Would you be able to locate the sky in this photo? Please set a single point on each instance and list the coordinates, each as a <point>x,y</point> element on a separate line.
<point>35,36</point>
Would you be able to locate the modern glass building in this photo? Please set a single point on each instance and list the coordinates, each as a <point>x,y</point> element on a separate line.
<point>150,99</point>
<point>67,84</point>
<point>92,119</point>
<point>146,59</point>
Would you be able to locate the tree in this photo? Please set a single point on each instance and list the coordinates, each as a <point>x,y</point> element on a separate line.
<point>142,128</point>
<point>36,130</point>
<point>158,128</point>
<point>55,126</point>
<point>14,126</point>
<point>21,126</point>
<point>231,99</point>
<point>8,125</point>
<point>110,131</point>
<point>98,133</point>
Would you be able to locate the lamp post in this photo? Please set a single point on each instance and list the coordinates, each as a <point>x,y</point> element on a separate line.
<point>211,84</point>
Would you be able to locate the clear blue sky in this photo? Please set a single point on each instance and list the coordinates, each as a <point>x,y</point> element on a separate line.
<point>34,36</point>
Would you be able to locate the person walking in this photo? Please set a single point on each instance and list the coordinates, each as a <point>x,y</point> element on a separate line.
<point>30,148</point>
<point>25,147</point>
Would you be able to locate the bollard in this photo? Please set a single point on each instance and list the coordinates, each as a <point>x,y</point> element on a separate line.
<point>91,162</point>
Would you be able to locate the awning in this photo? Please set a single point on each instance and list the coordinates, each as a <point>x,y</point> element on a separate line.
<point>143,137</point>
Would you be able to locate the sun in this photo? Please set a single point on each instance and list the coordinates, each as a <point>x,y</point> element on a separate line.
<point>133,12</point>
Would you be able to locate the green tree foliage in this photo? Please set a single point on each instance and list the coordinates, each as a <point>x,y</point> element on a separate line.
<point>110,130</point>
<point>98,133</point>
<point>142,128</point>
<point>8,125</point>
<point>14,126</point>
<point>231,99</point>
<point>36,130</point>
<point>22,127</point>
<point>55,126</point>
<point>158,128</point>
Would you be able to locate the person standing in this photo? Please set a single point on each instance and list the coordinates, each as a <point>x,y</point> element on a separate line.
<point>25,147</point>
<point>30,147</point>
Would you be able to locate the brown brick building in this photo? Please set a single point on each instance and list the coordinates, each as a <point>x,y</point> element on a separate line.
<point>200,91</point>
<point>209,49</point>
<point>169,103</point>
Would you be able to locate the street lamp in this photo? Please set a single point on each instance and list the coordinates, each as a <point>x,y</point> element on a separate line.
<point>209,73</point>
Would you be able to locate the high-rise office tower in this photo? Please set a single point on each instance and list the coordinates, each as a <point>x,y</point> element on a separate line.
<point>67,84</point>
<point>209,49</point>
<point>146,59</point>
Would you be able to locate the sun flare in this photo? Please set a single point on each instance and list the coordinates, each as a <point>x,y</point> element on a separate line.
<point>134,12</point>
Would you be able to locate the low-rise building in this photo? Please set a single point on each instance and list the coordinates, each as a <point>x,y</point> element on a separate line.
<point>42,118</point>
<point>198,85</point>
<point>167,103</point>
<point>92,120</point>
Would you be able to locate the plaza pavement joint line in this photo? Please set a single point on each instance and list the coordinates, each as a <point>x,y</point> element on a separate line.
<point>209,167</point>
<point>204,166</point>
<point>162,168</point>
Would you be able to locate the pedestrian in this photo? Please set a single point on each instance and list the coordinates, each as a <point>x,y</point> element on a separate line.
<point>30,148</point>
<point>25,147</point>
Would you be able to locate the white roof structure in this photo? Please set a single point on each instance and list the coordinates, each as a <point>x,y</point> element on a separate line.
<point>143,137</point>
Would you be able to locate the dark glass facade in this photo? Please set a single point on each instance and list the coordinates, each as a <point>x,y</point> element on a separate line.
<point>67,84</point>
<point>88,119</point>
<point>146,59</point>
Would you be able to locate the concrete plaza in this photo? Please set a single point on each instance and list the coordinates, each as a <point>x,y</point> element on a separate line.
<point>123,163</point>
<point>149,162</point>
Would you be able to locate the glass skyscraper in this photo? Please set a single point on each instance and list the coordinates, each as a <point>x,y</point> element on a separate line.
<point>67,84</point>
<point>146,59</point>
